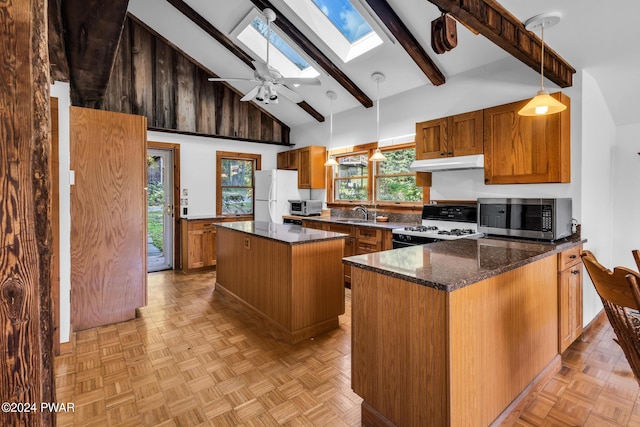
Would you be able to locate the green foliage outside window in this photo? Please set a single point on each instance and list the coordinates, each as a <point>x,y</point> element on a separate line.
<point>237,186</point>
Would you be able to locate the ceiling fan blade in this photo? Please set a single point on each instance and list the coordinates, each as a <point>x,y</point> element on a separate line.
<point>251,94</point>
<point>289,94</point>
<point>232,79</point>
<point>300,81</point>
<point>262,68</point>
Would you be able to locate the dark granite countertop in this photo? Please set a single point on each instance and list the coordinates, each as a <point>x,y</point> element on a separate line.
<point>454,264</point>
<point>355,221</point>
<point>285,233</point>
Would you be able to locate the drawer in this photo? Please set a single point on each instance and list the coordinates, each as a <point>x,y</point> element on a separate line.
<point>366,247</point>
<point>340,228</point>
<point>569,257</point>
<point>370,235</point>
<point>200,225</point>
<point>313,224</point>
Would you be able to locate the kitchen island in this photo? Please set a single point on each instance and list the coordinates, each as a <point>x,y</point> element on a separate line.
<point>289,275</point>
<point>449,334</point>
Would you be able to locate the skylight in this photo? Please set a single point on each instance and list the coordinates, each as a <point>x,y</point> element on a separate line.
<point>339,24</point>
<point>345,17</point>
<point>252,33</point>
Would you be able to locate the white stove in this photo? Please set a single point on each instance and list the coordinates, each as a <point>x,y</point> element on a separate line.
<point>439,222</point>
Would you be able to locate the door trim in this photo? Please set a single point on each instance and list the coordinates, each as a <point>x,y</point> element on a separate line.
<point>175,149</point>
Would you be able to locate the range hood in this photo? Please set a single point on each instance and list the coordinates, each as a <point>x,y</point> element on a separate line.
<point>448,163</point>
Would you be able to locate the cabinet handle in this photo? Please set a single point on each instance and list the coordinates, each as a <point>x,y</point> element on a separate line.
<point>575,271</point>
<point>443,154</point>
<point>450,153</point>
<point>573,256</point>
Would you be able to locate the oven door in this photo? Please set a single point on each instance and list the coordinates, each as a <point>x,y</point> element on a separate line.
<point>399,240</point>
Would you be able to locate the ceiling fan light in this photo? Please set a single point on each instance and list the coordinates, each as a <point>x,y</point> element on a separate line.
<point>542,104</point>
<point>272,93</point>
<point>262,94</point>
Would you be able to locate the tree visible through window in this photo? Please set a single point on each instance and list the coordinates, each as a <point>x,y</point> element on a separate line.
<point>394,181</point>
<point>235,183</point>
<point>351,182</point>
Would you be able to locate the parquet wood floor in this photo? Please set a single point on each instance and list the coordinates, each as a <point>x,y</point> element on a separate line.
<point>195,358</point>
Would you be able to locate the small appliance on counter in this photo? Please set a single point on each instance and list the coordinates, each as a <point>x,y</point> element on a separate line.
<point>305,207</point>
<point>542,219</point>
<point>439,222</point>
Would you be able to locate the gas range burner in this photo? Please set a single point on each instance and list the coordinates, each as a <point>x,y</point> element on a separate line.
<point>422,228</point>
<point>457,232</point>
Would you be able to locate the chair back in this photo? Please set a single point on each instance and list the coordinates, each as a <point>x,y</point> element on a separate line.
<point>611,286</point>
<point>636,256</point>
<point>620,295</point>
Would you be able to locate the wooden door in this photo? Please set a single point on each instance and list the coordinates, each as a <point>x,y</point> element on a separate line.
<point>431,139</point>
<point>195,247</point>
<point>209,242</point>
<point>108,216</point>
<point>304,168</point>
<point>465,134</point>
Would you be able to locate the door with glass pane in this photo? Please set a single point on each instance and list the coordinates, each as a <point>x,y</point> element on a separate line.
<point>159,209</point>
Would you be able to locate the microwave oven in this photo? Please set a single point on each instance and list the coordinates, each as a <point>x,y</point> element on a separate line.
<point>305,207</point>
<point>543,219</point>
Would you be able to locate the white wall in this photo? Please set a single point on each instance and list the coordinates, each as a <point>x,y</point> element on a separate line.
<point>61,91</point>
<point>599,133</point>
<point>198,166</point>
<point>626,201</point>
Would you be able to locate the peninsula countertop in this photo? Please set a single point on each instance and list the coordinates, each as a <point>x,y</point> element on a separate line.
<point>454,264</point>
<point>286,233</point>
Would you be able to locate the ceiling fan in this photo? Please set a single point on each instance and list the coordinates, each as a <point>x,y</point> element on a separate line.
<point>270,82</point>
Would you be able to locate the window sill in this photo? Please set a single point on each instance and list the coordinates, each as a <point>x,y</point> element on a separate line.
<point>386,206</point>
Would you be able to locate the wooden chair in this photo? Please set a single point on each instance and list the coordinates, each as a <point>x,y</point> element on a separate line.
<point>636,256</point>
<point>620,296</point>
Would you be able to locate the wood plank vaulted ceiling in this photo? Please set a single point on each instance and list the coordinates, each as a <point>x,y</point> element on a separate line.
<point>84,36</point>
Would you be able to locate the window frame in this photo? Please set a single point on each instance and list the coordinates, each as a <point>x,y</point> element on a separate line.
<point>373,174</point>
<point>231,155</point>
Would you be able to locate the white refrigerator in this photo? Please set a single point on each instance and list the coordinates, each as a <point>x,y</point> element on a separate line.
<point>273,190</point>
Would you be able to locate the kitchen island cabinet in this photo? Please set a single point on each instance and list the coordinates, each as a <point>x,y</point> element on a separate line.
<point>288,275</point>
<point>449,334</point>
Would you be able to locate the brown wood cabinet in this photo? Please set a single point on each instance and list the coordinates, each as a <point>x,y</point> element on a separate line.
<point>288,160</point>
<point>459,135</point>
<point>361,240</point>
<point>527,150</point>
<point>309,162</point>
<point>569,297</point>
<point>198,244</point>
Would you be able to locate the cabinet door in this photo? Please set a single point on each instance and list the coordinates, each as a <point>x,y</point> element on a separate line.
<point>464,134</point>
<point>525,150</point>
<point>304,168</point>
<point>569,306</point>
<point>195,247</point>
<point>311,170</point>
<point>282,160</point>
<point>292,157</point>
<point>209,247</point>
<point>431,139</point>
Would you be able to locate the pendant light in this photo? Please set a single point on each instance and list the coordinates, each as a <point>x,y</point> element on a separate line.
<point>377,155</point>
<point>331,161</point>
<point>542,103</point>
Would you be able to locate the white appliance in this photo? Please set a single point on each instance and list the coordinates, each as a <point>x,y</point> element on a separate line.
<point>273,189</point>
<point>475,161</point>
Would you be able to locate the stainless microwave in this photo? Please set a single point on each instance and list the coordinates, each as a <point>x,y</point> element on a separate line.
<point>305,207</point>
<point>544,219</point>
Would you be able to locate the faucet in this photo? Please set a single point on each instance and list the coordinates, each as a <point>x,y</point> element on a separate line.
<point>364,211</point>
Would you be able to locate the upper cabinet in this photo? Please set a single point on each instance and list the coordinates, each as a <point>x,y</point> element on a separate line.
<point>458,135</point>
<point>309,162</point>
<point>527,150</point>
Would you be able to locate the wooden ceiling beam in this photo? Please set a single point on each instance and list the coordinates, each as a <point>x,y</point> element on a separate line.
<point>407,40</point>
<point>92,31</point>
<point>225,41</point>
<point>497,24</point>
<point>58,65</point>
<point>316,54</point>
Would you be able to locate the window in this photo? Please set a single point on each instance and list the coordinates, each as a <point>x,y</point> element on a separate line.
<point>283,56</point>
<point>394,182</point>
<point>338,23</point>
<point>235,182</point>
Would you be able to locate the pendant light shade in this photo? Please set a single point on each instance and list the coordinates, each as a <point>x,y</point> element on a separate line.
<point>331,161</point>
<point>377,155</point>
<point>543,103</point>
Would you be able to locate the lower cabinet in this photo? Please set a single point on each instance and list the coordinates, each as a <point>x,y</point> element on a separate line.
<point>569,297</point>
<point>198,244</point>
<point>361,240</point>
